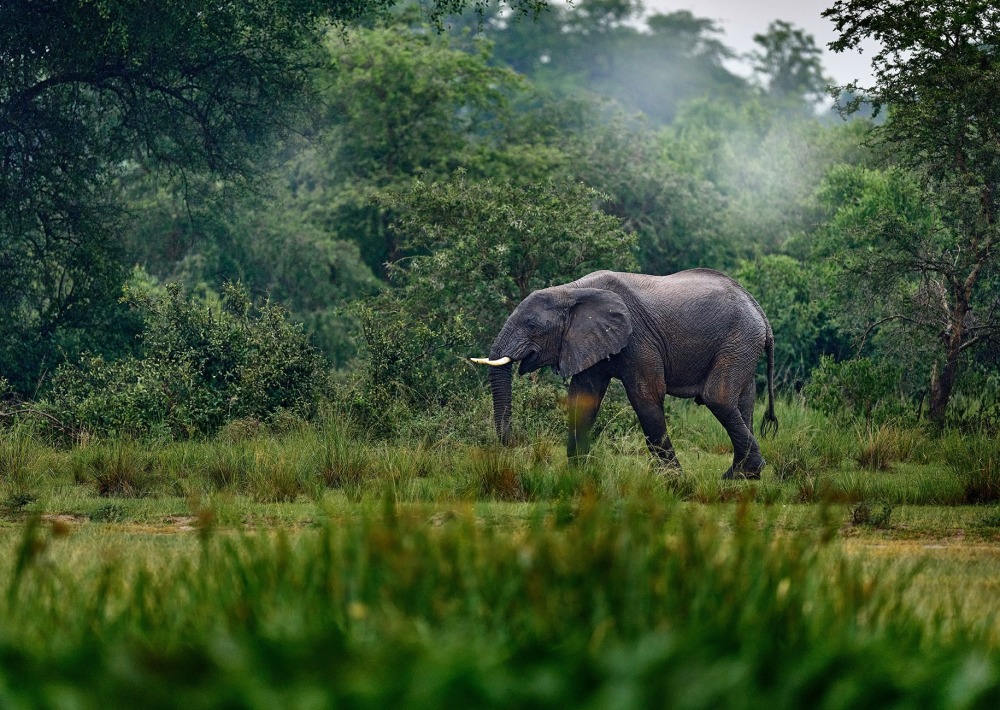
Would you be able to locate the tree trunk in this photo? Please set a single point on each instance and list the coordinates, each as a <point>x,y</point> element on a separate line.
<point>943,380</point>
<point>942,386</point>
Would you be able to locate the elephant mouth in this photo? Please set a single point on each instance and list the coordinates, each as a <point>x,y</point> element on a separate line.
<point>529,362</point>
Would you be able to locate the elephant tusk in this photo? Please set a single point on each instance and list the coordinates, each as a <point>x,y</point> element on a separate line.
<point>492,363</point>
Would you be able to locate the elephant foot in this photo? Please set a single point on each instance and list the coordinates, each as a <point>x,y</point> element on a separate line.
<point>731,475</point>
<point>744,472</point>
<point>671,465</point>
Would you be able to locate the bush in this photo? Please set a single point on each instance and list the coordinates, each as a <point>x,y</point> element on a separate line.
<point>471,252</point>
<point>856,390</point>
<point>801,315</point>
<point>200,368</point>
<point>975,460</point>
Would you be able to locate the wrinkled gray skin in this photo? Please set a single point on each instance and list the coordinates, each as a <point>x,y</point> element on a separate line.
<point>695,334</point>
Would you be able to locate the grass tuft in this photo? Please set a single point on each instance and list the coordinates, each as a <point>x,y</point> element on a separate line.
<point>20,470</point>
<point>881,447</point>
<point>496,473</point>
<point>975,460</point>
<point>119,468</point>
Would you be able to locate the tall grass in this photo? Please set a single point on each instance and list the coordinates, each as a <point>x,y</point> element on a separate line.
<point>21,466</point>
<point>608,604</point>
<point>812,458</point>
<point>975,461</point>
<point>118,468</point>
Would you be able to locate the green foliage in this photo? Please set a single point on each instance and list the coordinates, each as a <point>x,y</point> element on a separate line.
<point>89,88</point>
<point>795,298</point>
<point>481,248</point>
<point>764,166</point>
<point>475,250</point>
<point>856,389</point>
<point>438,109</point>
<point>937,68</point>
<point>200,233</point>
<point>200,368</point>
<point>882,233</point>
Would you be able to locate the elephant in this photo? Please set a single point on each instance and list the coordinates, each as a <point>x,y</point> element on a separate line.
<point>692,334</point>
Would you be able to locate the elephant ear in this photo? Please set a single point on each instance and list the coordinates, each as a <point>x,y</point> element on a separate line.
<point>599,326</point>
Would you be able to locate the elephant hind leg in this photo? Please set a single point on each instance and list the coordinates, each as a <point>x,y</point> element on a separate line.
<point>748,398</point>
<point>732,404</point>
<point>747,459</point>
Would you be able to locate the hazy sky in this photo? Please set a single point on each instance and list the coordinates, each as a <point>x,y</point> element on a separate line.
<point>742,19</point>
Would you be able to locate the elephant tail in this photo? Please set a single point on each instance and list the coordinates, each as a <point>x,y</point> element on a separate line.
<point>769,424</point>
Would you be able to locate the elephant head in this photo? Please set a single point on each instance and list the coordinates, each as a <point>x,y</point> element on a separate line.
<point>568,328</point>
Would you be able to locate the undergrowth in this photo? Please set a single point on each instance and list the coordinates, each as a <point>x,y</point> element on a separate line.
<point>811,459</point>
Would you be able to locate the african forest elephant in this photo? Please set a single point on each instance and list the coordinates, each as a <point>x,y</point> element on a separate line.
<point>695,333</point>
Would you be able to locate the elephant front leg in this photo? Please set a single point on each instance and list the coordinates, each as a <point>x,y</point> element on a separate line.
<point>586,392</point>
<point>649,409</point>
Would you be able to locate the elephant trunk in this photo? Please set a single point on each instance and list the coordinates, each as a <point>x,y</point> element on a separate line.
<point>504,346</point>
<point>500,385</point>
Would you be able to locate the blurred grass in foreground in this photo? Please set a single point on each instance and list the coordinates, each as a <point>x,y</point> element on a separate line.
<point>635,602</point>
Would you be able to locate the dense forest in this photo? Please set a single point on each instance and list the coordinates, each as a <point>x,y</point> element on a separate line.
<point>253,254</point>
<point>181,188</point>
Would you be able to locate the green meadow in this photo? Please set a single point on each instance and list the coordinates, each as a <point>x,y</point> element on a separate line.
<point>316,567</point>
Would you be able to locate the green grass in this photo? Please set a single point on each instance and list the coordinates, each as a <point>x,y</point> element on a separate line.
<point>812,459</point>
<point>320,567</point>
<point>611,603</point>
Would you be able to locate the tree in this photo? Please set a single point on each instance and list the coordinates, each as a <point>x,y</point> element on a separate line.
<point>652,64</point>
<point>937,70</point>
<point>473,251</point>
<point>88,89</point>
<point>476,250</point>
<point>764,166</point>
<point>790,63</point>
<point>201,238</point>
<point>398,104</point>
<point>795,296</point>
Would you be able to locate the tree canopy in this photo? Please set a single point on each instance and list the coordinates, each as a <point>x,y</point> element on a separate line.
<point>92,90</point>
<point>445,159</point>
<point>937,70</point>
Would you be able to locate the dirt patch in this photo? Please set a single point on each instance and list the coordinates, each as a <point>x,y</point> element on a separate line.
<point>182,523</point>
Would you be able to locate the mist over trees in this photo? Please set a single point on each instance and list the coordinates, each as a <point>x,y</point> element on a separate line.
<point>375,170</point>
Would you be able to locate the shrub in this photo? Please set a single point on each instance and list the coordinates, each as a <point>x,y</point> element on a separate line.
<point>471,252</point>
<point>975,460</point>
<point>200,368</point>
<point>120,469</point>
<point>858,389</point>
